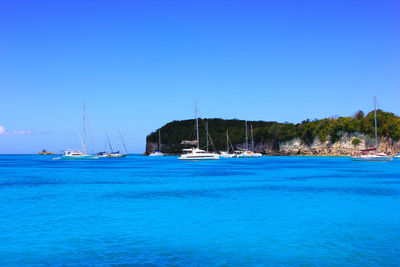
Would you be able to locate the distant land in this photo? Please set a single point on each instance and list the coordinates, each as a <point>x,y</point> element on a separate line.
<point>330,136</point>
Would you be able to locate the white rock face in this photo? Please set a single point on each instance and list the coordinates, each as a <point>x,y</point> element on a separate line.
<point>343,146</point>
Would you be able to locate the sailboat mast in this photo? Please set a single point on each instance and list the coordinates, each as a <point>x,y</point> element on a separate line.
<point>197,124</point>
<point>159,140</point>
<point>80,136</point>
<point>247,142</point>
<point>118,145</point>
<point>252,141</point>
<point>84,129</point>
<point>207,133</point>
<point>122,139</point>
<point>109,143</point>
<point>227,141</point>
<point>376,131</point>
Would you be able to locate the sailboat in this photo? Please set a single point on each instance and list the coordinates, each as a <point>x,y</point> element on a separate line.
<point>117,154</point>
<point>103,154</point>
<point>73,154</point>
<point>247,153</point>
<point>375,156</point>
<point>157,153</point>
<point>196,153</point>
<point>226,154</point>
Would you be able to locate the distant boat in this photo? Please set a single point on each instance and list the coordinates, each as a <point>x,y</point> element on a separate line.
<point>117,154</point>
<point>73,154</point>
<point>247,153</point>
<point>196,153</point>
<point>226,154</point>
<point>104,153</point>
<point>157,153</point>
<point>44,152</point>
<point>365,156</point>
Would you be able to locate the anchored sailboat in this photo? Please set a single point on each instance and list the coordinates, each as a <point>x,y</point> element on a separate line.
<point>157,153</point>
<point>375,156</point>
<point>226,154</point>
<point>74,154</point>
<point>247,153</point>
<point>103,154</point>
<point>196,153</point>
<point>117,154</point>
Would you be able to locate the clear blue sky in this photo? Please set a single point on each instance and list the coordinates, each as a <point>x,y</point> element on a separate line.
<point>140,64</point>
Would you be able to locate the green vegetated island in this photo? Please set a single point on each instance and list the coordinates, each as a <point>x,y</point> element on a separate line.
<point>330,136</point>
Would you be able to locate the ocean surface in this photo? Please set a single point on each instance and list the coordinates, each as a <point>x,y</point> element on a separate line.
<point>159,211</point>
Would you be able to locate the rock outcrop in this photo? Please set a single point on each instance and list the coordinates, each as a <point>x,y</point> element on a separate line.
<point>343,147</point>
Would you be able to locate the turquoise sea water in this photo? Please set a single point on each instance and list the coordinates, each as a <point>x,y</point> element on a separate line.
<point>233,212</point>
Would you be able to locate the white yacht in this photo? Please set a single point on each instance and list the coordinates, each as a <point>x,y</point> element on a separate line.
<point>116,154</point>
<point>364,154</point>
<point>373,157</point>
<point>157,153</point>
<point>226,154</point>
<point>196,153</point>
<point>246,153</point>
<point>249,154</point>
<point>73,154</point>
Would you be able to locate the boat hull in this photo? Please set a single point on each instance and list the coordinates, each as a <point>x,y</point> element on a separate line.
<point>117,155</point>
<point>228,156</point>
<point>156,154</point>
<point>81,157</point>
<point>250,155</point>
<point>199,157</point>
<point>372,158</point>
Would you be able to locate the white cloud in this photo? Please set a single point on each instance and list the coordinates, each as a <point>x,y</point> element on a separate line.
<point>3,131</point>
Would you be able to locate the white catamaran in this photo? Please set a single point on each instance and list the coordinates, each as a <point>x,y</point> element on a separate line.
<point>74,154</point>
<point>247,153</point>
<point>196,153</point>
<point>374,156</point>
<point>157,153</point>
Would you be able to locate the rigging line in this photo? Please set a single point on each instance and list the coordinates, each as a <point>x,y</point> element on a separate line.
<point>209,136</point>
<point>229,140</point>
<point>91,132</point>
<point>109,143</point>
<point>122,139</point>
<point>384,126</point>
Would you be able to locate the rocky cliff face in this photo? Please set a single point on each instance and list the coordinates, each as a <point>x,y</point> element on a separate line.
<point>342,147</point>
